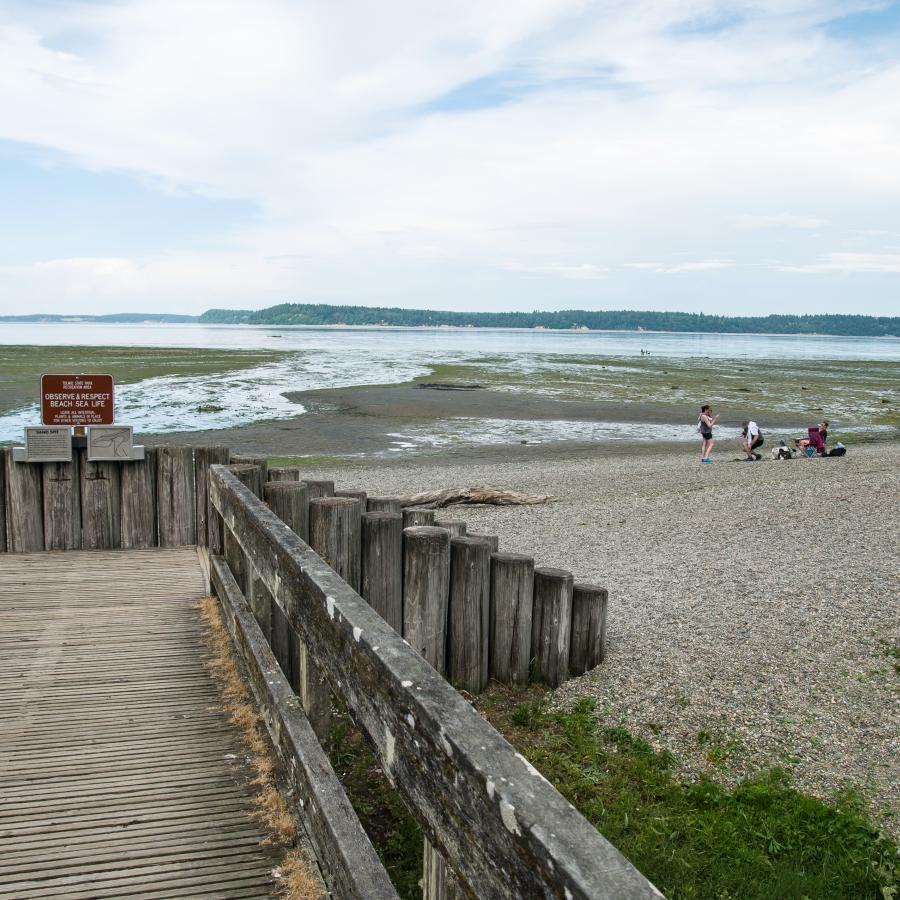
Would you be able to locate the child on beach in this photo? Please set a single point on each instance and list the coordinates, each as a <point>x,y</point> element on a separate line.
<point>705,427</point>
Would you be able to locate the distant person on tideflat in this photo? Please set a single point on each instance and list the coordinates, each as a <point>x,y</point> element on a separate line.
<point>705,427</point>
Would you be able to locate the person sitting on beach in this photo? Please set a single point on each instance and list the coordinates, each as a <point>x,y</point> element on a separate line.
<point>752,439</point>
<point>803,443</point>
<point>705,427</point>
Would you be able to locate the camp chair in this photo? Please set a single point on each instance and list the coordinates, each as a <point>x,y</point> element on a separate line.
<point>816,444</point>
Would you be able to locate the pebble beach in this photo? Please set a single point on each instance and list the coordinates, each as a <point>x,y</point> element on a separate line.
<point>753,613</point>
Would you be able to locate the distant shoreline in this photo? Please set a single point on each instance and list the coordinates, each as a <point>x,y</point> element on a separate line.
<point>343,326</point>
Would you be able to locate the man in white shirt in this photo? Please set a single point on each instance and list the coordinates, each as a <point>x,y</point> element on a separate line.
<point>752,438</point>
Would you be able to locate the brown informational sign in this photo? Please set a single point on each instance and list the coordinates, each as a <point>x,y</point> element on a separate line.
<point>77,400</point>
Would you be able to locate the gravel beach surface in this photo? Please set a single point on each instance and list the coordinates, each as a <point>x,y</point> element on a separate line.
<point>753,614</point>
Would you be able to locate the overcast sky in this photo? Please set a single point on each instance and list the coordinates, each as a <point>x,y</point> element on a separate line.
<point>164,155</point>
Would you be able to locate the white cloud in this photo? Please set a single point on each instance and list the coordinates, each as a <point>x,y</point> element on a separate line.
<point>850,263</point>
<point>699,265</point>
<point>637,136</point>
<point>779,220</point>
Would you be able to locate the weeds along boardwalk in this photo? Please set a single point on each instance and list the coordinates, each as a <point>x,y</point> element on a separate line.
<point>119,774</point>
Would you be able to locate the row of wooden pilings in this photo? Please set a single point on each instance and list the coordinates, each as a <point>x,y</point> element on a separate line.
<point>474,612</point>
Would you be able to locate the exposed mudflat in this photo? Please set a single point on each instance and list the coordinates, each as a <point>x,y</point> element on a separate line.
<point>753,618</point>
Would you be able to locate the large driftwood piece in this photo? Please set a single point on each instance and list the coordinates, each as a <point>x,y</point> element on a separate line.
<point>503,827</point>
<point>176,498</point>
<point>349,863</point>
<point>139,522</point>
<point>101,504</point>
<point>476,495</point>
<point>62,505</point>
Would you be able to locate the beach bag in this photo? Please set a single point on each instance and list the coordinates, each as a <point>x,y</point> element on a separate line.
<point>837,450</point>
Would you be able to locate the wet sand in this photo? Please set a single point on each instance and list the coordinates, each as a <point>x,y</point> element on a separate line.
<point>362,422</point>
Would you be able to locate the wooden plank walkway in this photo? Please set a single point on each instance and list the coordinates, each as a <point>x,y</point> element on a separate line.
<point>119,776</point>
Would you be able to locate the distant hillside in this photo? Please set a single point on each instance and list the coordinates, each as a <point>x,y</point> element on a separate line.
<point>111,317</point>
<point>605,320</point>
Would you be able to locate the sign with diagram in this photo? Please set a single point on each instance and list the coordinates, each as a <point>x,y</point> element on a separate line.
<point>110,442</point>
<point>77,400</point>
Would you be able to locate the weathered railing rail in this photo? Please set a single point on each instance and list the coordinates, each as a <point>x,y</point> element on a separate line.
<point>500,825</point>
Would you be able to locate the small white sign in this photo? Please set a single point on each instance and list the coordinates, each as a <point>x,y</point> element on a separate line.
<point>48,444</point>
<point>110,442</point>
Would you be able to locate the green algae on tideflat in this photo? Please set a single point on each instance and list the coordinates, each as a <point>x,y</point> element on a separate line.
<point>858,392</point>
<point>22,366</point>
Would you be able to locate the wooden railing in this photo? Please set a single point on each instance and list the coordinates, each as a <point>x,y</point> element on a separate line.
<point>501,827</point>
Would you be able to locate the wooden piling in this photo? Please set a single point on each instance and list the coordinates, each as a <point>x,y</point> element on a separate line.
<point>139,517</point>
<point>490,539</point>
<point>24,506</point>
<point>362,496</point>
<point>208,523</point>
<point>249,459</point>
<point>588,645</point>
<point>334,533</point>
<point>283,473</point>
<point>62,505</point>
<point>3,454</point>
<point>426,592</point>
<point>384,504</point>
<point>319,487</point>
<point>176,498</point>
<point>417,515</point>
<point>456,527</point>
<point>551,625</point>
<point>382,566</point>
<point>512,600</point>
<point>289,500</point>
<point>101,504</point>
<point>426,597</point>
<point>469,614</point>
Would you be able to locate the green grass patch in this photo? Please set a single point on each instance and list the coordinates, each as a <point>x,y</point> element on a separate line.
<point>764,839</point>
<point>392,831</point>
<point>21,367</point>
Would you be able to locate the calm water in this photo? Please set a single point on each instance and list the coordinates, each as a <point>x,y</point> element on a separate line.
<point>340,357</point>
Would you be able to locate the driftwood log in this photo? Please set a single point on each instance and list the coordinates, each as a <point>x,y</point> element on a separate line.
<point>485,496</point>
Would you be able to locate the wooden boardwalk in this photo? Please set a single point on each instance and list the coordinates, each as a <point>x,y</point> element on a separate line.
<point>119,776</point>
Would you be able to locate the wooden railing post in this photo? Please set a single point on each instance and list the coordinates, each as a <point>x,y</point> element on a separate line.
<point>456,527</point>
<point>62,505</point>
<point>416,515</point>
<point>101,504</point>
<point>289,500</point>
<point>176,498</point>
<point>24,506</point>
<point>3,454</point>
<point>319,487</point>
<point>139,517</point>
<point>283,473</point>
<point>209,527</point>
<point>246,459</point>
<point>256,593</point>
